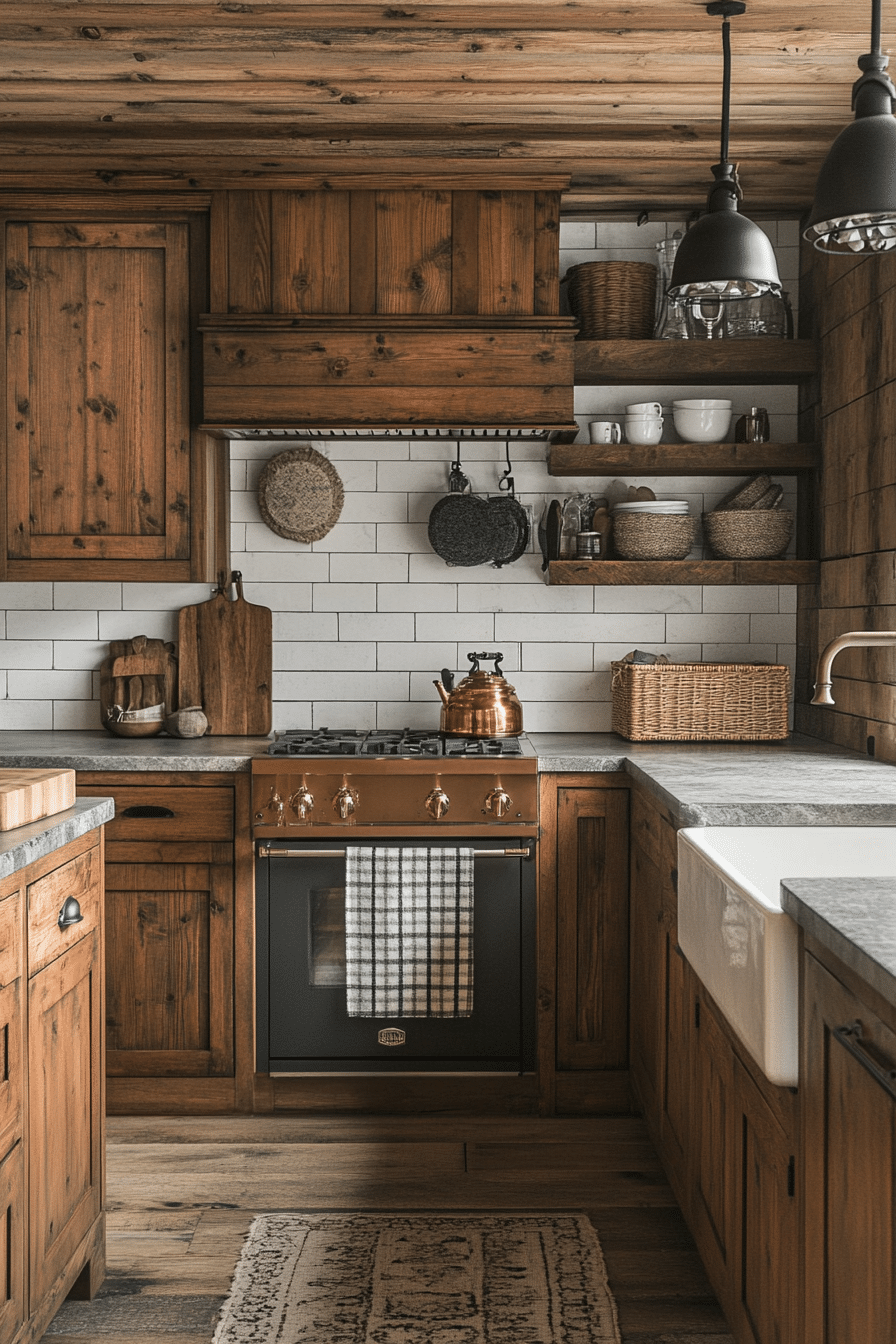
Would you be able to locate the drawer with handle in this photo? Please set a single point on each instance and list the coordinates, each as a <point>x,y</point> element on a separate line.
<point>63,907</point>
<point>160,812</point>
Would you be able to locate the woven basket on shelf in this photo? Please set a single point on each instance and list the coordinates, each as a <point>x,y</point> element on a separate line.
<point>748,534</point>
<point>653,536</point>
<point>613,300</point>
<point>700,702</point>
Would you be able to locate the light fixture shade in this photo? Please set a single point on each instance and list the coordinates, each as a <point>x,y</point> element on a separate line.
<point>855,196</point>
<point>724,253</point>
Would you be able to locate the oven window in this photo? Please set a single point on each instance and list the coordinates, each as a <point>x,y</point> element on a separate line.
<point>326,938</point>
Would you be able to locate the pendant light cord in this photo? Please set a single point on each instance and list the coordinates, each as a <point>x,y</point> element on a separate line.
<point>726,88</point>
<point>875,27</point>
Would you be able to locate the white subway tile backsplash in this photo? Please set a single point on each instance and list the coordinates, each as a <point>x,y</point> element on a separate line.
<point>35,715</point>
<point>28,653</point>
<point>336,685</point>
<point>344,597</point>
<point>410,539</point>
<point>465,628</point>
<point>567,686</point>
<point>268,567</point>
<point>52,624</point>
<point>90,596</point>
<point>348,537</point>
<point>128,624</point>
<point>26,596</point>
<point>380,568</point>
<point>416,477</point>
<point>49,685</point>
<point>145,596</point>
<point>388,626</point>
<point>590,628</point>
<point>343,713</point>
<point>739,653</point>
<point>413,597</point>
<point>320,655</point>
<point>430,568</point>
<point>651,598</point>
<point>76,715</point>
<point>367,506</point>
<point>416,657</point>
<point>728,628</point>
<point>281,597</point>
<point>74,653</point>
<point>498,597</point>
<point>562,657</point>
<point>748,597</point>
<point>567,717</point>
<point>577,235</point>
<point>298,626</point>
<point>771,629</point>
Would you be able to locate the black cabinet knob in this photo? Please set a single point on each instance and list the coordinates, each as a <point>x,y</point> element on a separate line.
<point>70,913</point>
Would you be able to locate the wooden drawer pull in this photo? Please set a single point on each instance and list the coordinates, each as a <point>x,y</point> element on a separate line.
<point>866,1054</point>
<point>70,914</point>
<point>147,810</point>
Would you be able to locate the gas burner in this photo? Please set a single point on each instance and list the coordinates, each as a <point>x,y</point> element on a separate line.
<point>403,743</point>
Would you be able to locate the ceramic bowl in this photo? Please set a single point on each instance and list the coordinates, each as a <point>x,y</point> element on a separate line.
<point>707,424</point>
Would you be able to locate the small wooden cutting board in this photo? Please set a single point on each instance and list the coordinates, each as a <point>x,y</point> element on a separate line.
<point>29,795</point>
<point>225,662</point>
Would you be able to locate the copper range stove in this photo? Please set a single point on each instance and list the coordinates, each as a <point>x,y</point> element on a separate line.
<point>319,792</point>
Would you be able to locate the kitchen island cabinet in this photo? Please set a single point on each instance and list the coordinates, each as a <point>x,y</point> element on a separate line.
<point>52,1126</point>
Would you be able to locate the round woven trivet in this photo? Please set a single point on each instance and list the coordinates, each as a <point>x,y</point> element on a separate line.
<point>300,494</point>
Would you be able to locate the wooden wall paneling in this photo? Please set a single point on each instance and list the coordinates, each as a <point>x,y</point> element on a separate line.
<point>713,1146</point>
<point>506,252</point>
<point>247,1097</point>
<point>546,296</point>
<point>310,244</point>
<point>362,259</point>
<point>413,252</point>
<point>249,243</point>
<point>465,255</point>
<point>219,253</point>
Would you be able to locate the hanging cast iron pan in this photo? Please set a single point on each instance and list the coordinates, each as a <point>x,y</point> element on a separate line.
<point>460,524</point>
<point>511,529</point>
<point>549,533</point>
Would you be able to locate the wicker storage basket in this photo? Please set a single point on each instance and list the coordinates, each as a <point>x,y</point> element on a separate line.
<point>748,534</point>
<point>653,536</point>
<point>613,300</point>
<point>700,702</point>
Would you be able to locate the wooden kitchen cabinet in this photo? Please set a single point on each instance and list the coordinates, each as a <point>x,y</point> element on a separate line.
<point>52,1113</point>
<point>726,1136</point>
<point>849,1154</point>
<point>104,477</point>
<point>583,914</point>
<point>171,892</point>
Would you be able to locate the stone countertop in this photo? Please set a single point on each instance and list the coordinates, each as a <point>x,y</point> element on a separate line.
<point>26,844</point>
<point>853,917</point>
<point>101,751</point>
<point>800,782</point>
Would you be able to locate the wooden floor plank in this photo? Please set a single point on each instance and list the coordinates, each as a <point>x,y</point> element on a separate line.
<point>183,1192</point>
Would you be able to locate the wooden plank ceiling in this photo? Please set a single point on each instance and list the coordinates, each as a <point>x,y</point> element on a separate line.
<point>623,98</point>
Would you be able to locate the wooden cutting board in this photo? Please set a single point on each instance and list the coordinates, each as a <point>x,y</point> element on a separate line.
<point>225,660</point>
<point>29,795</point>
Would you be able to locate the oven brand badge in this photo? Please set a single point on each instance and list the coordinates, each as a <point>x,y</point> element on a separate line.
<point>391,1036</point>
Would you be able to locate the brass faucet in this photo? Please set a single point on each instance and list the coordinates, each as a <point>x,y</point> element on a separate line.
<point>854,639</point>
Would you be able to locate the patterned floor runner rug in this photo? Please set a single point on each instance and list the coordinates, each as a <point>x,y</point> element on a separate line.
<point>419,1279</point>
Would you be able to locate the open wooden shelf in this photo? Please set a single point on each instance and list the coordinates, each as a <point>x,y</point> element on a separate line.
<point>710,362</point>
<point>583,572</point>
<point>682,459</point>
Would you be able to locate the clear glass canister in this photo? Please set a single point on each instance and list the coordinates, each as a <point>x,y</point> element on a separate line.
<point>671,314</point>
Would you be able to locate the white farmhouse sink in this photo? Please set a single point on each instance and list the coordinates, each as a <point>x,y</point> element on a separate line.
<point>734,933</point>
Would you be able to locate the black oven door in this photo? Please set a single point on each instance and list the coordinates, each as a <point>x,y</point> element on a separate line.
<point>302,1022</point>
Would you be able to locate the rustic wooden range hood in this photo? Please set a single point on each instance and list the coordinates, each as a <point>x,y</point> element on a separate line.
<point>391,309</point>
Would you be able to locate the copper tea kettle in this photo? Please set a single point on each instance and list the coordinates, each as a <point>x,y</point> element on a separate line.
<point>482,705</point>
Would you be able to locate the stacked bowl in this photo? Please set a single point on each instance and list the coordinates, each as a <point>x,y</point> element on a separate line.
<point>702,420</point>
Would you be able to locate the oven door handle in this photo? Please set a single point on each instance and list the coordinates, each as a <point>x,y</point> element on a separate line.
<point>268,852</point>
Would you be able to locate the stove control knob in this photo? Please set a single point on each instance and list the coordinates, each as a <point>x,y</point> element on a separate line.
<point>437,803</point>
<point>302,803</point>
<point>498,803</point>
<point>344,802</point>
<point>276,806</point>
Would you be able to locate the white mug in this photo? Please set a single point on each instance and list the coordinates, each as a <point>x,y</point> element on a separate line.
<point>605,431</point>
<point>644,428</point>
<point>641,408</point>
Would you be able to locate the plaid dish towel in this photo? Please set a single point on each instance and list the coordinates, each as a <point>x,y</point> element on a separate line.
<point>409,931</point>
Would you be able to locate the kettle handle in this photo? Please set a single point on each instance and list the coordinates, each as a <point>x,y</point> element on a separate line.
<point>477,658</point>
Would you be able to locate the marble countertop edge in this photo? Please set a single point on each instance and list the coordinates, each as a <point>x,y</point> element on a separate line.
<point>854,918</point>
<point>27,844</point>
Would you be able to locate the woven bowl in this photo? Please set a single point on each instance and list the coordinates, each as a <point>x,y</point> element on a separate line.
<point>653,536</point>
<point>748,534</point>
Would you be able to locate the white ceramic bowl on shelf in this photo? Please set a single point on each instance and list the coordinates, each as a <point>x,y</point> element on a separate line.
<point>702,420</point>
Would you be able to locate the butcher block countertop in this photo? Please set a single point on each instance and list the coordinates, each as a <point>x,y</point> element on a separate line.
<point>27,844</point>
<point>801,782</point>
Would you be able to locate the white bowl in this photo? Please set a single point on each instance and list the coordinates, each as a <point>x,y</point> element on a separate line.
<point>644,428</point>
<point>703,404</point>
<point>709,425</point>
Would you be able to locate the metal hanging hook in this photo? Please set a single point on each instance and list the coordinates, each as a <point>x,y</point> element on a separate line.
<point>506,481</point>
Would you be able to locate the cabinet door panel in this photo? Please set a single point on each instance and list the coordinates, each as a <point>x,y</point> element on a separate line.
<point>592,928</point>
<point>850,1169</point>
<point>768,1227</point>
<point>65,1123</point>
<point>715,1171</point>
<point>12,1243</point>
<point>648,957</point>
<point>169,968</point>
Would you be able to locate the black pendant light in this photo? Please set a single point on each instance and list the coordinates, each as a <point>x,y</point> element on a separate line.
<point>855,196</point>
<point>724,253</point>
